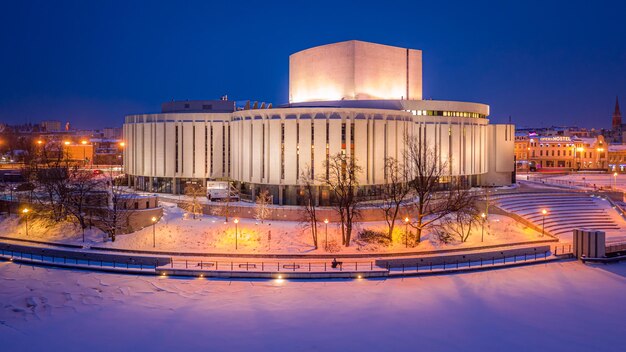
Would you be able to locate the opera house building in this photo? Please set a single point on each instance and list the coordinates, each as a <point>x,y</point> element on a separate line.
<point>352,97</point>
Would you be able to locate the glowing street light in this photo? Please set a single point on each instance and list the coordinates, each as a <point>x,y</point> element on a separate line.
<point>615,180</point>
<point>67,142</point>
<point>482,234</point>
<point>122,144</point>
<point>39,142</point>
<point>154,221</point>
<point>236,221</point>
<point>326,238</point>
<point>544,212</point>
<point>25,212</point>
<point>406,232</point>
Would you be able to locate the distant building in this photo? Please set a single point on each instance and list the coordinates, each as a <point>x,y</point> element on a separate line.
<point>50,126</point>
<point>617,157</point>
<point>560,153</point>
<point>112,133</point>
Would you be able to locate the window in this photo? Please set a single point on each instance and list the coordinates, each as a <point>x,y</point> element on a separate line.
<point>186,106</point>
<point>312,149</point>
<point>176,149</point>
<point>282,150</point>
<point>207,107</point>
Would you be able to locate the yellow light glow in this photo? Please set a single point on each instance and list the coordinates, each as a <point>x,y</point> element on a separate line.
<point>483,215</point>
<point>325,221</point>
<point>66,142</point>
<point>615,174</point>
<point>83,142</point>
<point>25,210</point>
<point>544,212</point>
<point>406,219</point>
<point>580,149</point>
<point>236,221</point>
<point>122,144</point>
<point>154,219</point>
<point>40,142</point>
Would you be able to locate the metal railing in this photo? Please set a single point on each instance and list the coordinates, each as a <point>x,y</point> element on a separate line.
<point>273,266</point>
<point>47,259</point>
<point>494,261</point>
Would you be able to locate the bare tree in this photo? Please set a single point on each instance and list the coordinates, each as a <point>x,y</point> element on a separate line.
<point>82,185</point>
<point>343,183</point>
<point>262,209</point>
<point>113,218</point>
<point>394,191</point>
<point>434,198</point>
<point>309,216</point>
<point>461,223</point>
<point>195,191</point>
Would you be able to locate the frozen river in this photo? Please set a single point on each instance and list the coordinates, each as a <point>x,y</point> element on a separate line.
<point>559,306</point>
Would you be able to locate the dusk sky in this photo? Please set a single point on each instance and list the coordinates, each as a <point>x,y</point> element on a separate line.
<point>92,62</point>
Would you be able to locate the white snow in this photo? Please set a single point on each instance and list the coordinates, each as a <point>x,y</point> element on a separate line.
<point>564,306</point>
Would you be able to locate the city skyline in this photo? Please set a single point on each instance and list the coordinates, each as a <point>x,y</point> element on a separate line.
<point>93,64</point>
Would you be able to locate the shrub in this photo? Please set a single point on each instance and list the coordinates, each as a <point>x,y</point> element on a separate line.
<point>374,237</point>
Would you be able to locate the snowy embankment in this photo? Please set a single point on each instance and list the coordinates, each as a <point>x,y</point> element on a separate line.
<point>178,231</point>
<point>563,306</point>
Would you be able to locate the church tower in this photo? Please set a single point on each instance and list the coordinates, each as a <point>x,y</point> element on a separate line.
<point>617,117</point>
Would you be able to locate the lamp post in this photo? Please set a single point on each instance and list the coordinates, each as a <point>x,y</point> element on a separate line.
<point>326,235</point>
<point>406,232</point>
<point>84,143</point>
<point>482,233</point>
<point>544,212</point>
<point>236,221</point>
<point>615,180</point>
<point>154,220</point>
<point>25,212</point>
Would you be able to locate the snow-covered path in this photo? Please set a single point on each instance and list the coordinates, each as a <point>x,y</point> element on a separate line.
<point>559,306</point>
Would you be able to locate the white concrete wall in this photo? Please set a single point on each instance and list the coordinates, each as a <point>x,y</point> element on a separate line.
<point>355,70</point>
<point>476,148</point>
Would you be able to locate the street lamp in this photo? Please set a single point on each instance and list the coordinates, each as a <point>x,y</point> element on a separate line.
<point>66,142</point>
<point>154,220</point>
<point>25,212</point>
<point>615,180</point>
<point>84,143</point>
<point>406,232</point>
<point>236,221</point>
<point>326,238</point>
<point>544,212</point>
<point>482,233</point>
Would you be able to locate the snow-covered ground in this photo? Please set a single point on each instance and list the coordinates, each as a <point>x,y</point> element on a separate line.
<point>564,306</point>
<point>178,231</point>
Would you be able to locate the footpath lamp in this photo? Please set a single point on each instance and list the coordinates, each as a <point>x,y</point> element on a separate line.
<point>25,212</point>
<point>615,180</point>
<point>326,238</point>
<point>236,221</point>
<point>482,233</point>
<point>154,221</point>
<point>406,232</point>
<point>544,212</point>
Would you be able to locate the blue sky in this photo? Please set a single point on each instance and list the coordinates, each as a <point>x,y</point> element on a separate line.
<point>92,62</point>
